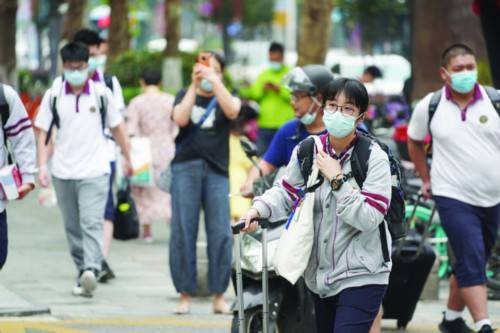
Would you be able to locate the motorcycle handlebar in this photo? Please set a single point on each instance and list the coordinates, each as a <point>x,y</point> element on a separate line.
<point>237,227</point>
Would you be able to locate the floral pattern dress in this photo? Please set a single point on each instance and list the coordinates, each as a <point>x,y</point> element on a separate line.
<point>150,115</point>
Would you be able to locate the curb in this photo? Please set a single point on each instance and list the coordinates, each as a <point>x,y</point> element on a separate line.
<point>24,311</point>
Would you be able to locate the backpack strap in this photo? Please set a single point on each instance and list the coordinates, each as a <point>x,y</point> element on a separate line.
<point>108,81</point>
<point>494,97</point>
<point>4,112</point>
<point>55,91</point>
<point>435,99</point>
<point>102,103</point>
<point>359,165</point>
<point>305,155</point>
<point>360,157</point>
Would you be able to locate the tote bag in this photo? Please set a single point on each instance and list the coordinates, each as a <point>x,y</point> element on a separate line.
<point>295,245</point>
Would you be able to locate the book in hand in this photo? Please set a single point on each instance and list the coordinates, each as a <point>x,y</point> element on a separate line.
<point>10,181</point>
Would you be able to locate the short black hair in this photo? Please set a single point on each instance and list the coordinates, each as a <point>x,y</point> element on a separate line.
<point>88,37</point>
<point>220,59</point>
<point>74,51</point>
<point>277,47</point>
<point>353,90</point>
<point>151,76</point>
<point>455,50</point>
<point>373,71</point>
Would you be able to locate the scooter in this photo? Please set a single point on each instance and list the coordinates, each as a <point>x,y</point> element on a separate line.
<point>283,307</point>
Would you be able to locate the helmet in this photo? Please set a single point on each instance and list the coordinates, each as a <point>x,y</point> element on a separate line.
<point>311,79</point>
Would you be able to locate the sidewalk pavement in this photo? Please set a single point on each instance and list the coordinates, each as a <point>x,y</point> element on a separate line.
<point>39,276</point>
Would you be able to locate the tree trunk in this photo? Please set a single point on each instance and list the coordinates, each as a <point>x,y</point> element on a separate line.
<point>73,20</point>
<point>172,63</point>
<point>490,18</point>
<point>437,25</point>
<point>8,10</point>
<point>314,31</point>
<point>173,33</point>
<point>119,38</point>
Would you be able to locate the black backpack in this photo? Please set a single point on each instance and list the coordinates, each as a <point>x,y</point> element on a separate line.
<point>395,217</point>
<point>108,81</point>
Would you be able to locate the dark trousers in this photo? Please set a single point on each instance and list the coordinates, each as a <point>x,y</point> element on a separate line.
<point>353,310</point>
<point>4,240</point>
<point>471,232</point>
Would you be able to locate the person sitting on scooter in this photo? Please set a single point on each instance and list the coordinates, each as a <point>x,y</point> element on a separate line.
<point>307,86</point>
<point>346,271</point>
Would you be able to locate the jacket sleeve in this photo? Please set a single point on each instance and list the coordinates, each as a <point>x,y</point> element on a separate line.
<point>277,202</point>
<point>365,209</point>
<point>20,134</point>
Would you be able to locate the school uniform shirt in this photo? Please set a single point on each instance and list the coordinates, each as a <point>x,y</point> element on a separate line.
<point>465,147</point>
<point>80,149</point>
<point>19,132</point>
<point>119,102</point>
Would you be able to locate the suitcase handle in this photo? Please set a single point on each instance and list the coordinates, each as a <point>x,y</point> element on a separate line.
<point>237,227</point>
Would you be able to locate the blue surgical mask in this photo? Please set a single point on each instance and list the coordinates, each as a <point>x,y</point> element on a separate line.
<point>76,78</point>
<point>206,85</point>
<point>308,118</point>
<point>338,124</point>
<point>96,63</point>
<point>275,65</point>
<point>463,82</point>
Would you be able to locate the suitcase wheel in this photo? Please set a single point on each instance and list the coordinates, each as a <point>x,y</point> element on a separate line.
<point>402,324</point>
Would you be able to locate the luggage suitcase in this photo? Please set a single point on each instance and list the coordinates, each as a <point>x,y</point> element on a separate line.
<point>412,261</point>
<point>264,224</point>
<point>126,222</point>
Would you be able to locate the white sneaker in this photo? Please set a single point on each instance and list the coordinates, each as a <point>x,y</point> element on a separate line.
<point>88,283</point>
<point>78,291</point>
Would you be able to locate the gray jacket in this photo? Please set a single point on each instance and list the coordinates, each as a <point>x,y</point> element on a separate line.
<point>347,250</point>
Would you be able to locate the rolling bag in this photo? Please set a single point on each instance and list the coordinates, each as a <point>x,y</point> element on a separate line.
<point>412,261</point>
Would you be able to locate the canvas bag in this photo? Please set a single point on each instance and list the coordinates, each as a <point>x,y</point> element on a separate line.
<point>295,245</point>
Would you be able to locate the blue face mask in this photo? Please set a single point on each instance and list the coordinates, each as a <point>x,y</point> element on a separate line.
<point>206,85</point>
<point>338,124</point>
<point>308,118</point>
<point>96,63</point>
<point>275,65</point>
<point>76,78</point>
<point>463,82</point>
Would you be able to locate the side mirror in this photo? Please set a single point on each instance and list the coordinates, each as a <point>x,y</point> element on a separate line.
<point>249,147</point>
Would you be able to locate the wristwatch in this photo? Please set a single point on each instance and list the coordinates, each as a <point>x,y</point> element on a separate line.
<point>337,182</point>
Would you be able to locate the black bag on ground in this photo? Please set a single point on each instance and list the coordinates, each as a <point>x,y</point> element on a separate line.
<point>126,224</point>
<point>412,261</point>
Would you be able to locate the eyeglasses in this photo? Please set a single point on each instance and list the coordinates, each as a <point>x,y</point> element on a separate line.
<point>348,110</point>
<point>297,96</point>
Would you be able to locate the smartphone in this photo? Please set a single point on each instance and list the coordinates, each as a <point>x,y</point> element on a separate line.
<point>204,58</point>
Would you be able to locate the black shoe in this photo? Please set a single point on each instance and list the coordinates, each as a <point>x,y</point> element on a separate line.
<point>454,326</point>
<point>486,329</point>
<point>106,273</point>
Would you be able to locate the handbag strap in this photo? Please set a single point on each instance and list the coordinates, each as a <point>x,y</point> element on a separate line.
<point>315,170</point>
<point>210,107</point>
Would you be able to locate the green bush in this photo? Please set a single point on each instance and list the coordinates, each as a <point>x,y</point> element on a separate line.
<point>129,66</point>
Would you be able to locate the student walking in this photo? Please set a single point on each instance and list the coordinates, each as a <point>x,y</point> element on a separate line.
<point>72,119</point>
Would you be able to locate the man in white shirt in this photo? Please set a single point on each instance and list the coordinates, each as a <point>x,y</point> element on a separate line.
<point>80,110</point>
<point>18,131</point>
<point>97,60</point>
<point>463,118</point>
